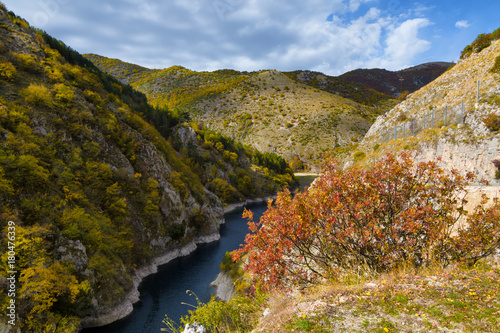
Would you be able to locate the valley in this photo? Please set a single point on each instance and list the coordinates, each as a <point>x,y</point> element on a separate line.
<point>273,111</point>
<point>110,170</point>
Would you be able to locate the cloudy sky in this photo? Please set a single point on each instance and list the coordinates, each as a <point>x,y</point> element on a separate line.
<point>331,36</point>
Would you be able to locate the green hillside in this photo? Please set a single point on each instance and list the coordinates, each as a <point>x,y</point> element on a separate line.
<point>97,184</point>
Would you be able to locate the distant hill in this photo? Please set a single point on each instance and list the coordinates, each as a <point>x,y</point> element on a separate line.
<point>269,110</point>
<point>393,83</point>
<point>356,91</point>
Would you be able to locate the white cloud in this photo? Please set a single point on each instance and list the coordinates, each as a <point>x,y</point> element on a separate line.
<point>242,34</point>
<point>462,24</point>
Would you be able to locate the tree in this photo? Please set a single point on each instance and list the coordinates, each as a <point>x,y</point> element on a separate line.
<point>41,289</point>
<point>395,213</point>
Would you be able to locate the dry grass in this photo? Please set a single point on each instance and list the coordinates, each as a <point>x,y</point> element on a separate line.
<point>455,299</point>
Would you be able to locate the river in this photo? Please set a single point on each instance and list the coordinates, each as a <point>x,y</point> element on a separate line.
<point>164,293</point>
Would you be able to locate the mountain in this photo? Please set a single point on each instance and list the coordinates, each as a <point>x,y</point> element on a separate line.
<point>394,83</point>
<point>97,187</point>
<point>456,118</point>
<point>355,91</point>
<point>269,110</point>
<point>277,111</point>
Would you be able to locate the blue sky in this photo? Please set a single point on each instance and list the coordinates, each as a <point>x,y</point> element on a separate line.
<point>331,36</point>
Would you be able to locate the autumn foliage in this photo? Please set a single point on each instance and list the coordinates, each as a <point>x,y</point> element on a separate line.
<point>396,213</point>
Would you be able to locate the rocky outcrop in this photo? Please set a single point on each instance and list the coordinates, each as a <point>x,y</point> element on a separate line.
<point>460,138</point>
<point>194,328</point>
<point>474,157</point>
<point>225,287</point>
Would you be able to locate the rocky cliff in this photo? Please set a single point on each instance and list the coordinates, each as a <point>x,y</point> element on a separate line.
<point>446,119</point>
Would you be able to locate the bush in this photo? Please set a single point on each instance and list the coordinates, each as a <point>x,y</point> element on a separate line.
<point>224,190</point>
<point>230,157</point>
<point>396,213</point>
<point>358,156</point>
<point>492,122</point>
<point>496,67</point>
<point>28,63</point>
<point>240,314</point>
<point>496,163</point>
<point>37,94</point>
<point>176,231</point>
<point>63,95</point>
<point>7,71</point>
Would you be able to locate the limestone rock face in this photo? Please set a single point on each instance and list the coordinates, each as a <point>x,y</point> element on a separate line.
<point>460,138</point>
<point>225,287</point>
<point>194,328</point>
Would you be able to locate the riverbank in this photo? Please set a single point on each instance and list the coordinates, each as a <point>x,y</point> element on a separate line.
<point>234,206</point>
<point>126,307</point>
<point>303,174</point>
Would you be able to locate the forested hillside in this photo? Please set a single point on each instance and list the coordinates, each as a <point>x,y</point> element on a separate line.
<point>97,183</point>
<point>269,110</point>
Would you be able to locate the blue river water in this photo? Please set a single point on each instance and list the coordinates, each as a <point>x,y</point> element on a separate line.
<point>164,293</point>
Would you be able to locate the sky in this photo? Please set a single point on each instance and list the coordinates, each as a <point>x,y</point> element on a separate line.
<point>330,36</point>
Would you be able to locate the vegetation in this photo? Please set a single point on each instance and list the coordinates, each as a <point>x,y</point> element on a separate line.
<point>496,67</point>
<point>492,122</point>
<point>226,168</point>
<point>402,269</point>
<point>240,314</point>
<point>82,157</point>
<point>496,163</point>
<point>480,43</point>
<point>396,213</point>
<point>270,161</point>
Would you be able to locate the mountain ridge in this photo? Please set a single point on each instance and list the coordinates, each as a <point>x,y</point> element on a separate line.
<point>389,82</point>
<point>270,110</point>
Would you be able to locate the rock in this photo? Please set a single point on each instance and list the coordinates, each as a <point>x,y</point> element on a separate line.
<point>225,287</point>
<point>371,285</point>
<point>194,328</point>
<point>72,251</point>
